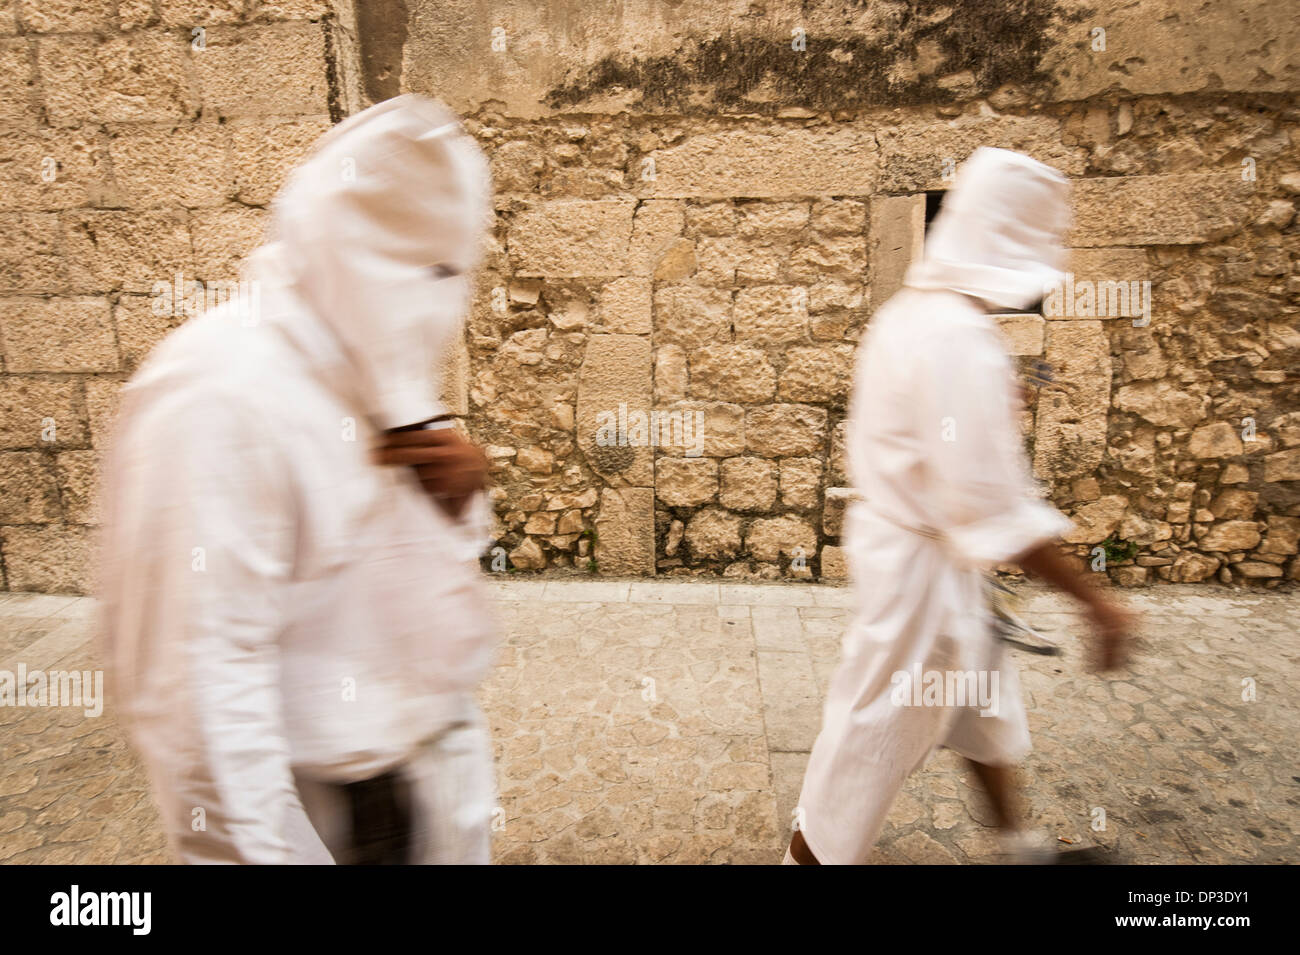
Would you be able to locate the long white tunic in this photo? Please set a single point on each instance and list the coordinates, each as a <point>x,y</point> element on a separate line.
<point>935,451</point>
<point>275,604</point>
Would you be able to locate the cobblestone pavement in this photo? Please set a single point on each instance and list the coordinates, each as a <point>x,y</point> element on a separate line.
<point>670,722</point>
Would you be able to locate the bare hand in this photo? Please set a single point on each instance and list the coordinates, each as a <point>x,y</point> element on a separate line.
<point>450,467</point>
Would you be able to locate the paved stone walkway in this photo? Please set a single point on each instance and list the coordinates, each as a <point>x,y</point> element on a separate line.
<point>670,722</point>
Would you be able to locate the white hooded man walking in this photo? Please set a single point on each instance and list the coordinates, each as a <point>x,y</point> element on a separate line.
<point>934,448</point>
<point>293,616</point>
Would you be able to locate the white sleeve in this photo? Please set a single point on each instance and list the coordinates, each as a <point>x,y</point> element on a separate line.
<point>988,502</point>
<point>473,528</point>
<point>203,535</point>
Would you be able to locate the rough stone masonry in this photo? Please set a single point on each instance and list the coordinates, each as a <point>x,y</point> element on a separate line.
<point>698,207</point>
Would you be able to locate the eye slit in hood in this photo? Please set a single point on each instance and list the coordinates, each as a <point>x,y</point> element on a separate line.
<point>369,231</point>
<point>1000,231</point>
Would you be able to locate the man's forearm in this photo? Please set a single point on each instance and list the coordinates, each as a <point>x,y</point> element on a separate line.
<point>1047,562</point>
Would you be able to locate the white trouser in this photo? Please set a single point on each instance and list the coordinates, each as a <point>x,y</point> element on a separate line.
<point>452,795</point>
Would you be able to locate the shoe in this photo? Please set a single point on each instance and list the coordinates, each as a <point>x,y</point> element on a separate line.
<point>1037,848</point>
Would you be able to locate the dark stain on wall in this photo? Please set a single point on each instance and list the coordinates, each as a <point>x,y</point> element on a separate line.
<point>381,34</point>
<point>996,41</point>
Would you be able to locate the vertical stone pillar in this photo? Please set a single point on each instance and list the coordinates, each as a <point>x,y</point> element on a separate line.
<point>614,400</point>
<point>1070,433</point>
<point>897,237</point>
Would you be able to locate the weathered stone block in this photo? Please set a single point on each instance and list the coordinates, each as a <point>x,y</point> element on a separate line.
<point>30,259</point>
<point>38,412</point>
<point>841,256</point>
<point>1024,334</point>
<point>685,482</point>
<point>614,395</point>
<point>1229,536</point>
<point>897,237</point>
<point>173,165</point>
<point>771,164</point>
<point>263,154</point>
<point>1160,403</point>
<point>1178,209</point>
<point>624,306</point>
<point>543,522</point>
<point>655,228</point>
<point>1094,522</point>
<point>17,84</point>
<point>731,373</point>
<point>691,316</point>
<point>712,218</point>
<point>273,70</point>
<point>835,564</point>
<point>190,13</point>
<point>748,484</point>
<point>102,398</point>
<point>528,555</point>
<point>68,16</point>
<point>771,314</point>
<point>670,373</point>
<point>839,216</point>
<point>1218,440</point>
<point>1283,535</point>
<point>223,239</point>
<point>785,430</point>
<point>572,237</point>
<point>51,559</point>
<point>130,251</point>
<point>140,327</point>
<point>78,473</point>
<point>124,77</point>
<point>817,374</point>
<point>1283,466</point>
<point>29,493</point>
<point>1109,264</point>
<point>1217,49</point>
<point>74,334</point>
<point>53,169</point>
<point>801,480</point>
<point>838,500</point>
<point>1190,568</point>
<point>922,154</point>
<point>717,428</point>
<point>625,532</point>
<point>770,539</point>
<point>1070,435</point>
<point>1235,504</point>
<point>713,534</point>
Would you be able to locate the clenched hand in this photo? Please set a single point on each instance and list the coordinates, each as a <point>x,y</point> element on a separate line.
<point>450,467</point>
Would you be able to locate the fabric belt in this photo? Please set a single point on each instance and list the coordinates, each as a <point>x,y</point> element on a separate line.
<point>921,530</point>
<point>380,810</point>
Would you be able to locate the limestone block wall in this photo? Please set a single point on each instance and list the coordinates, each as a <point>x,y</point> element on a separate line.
<point>698,208</point>
<point>728,267</point>
<point>140,143</point>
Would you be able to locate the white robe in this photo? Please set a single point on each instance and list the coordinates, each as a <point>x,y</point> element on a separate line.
<point>935,451</point>
<point>275,605</point>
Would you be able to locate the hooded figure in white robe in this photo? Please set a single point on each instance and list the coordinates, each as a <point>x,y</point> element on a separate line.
<point>281,615</point>
<point>935,451</point>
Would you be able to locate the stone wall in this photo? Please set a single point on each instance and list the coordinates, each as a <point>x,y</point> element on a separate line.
<point>697,212</point>
<point>140,142</point>
<point>699,205</point>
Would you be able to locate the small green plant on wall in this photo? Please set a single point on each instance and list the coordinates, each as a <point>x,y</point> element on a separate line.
<point>1118,551</point>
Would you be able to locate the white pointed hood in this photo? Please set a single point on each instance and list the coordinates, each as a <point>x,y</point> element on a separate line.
<point>999,233</point>
<point>377,232</point>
